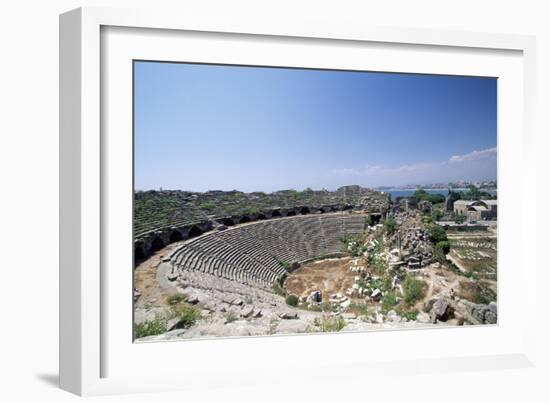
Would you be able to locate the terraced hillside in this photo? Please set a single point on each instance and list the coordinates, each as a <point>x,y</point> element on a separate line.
<point>163,217</point>
<point>262,252</point>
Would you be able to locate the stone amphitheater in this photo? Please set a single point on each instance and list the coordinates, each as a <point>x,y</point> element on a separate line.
<point>260,253</point>
<point>164,217</point>
<point>220,264</point>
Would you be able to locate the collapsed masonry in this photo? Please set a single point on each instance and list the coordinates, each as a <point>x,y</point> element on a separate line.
<point>411,242</point>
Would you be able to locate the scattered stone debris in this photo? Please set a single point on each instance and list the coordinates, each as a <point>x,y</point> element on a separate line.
<point>237,301</point>
<point>137,294</point>
<point>412,241</point>
<point>173,324</point>
<point>247,311</point>
<point>479,313</point>
<point>376,295</point>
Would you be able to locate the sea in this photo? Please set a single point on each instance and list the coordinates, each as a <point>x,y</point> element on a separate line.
<point>409,192</point>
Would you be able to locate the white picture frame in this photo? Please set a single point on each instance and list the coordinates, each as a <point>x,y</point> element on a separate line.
<point>90,312</point>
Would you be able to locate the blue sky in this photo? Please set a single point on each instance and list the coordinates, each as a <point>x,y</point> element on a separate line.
<point>201,127</point>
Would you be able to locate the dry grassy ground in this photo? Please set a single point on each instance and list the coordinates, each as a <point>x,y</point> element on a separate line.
<point>330,276</point>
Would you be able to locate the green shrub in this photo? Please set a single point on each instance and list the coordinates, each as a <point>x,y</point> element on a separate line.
<point>292,300</point>
<point>330,324</point>
<point>359,308</point>
<point>277,289</point>
<point>438,233</point>
<point>445,246</point>
<point>390,225</point>
<point>175,299</point>
<point>389,301</point>
<point>150,327</point>
<point>187,314</point>
<point>207,206</point>
<point>413,290</point>
<point>409,315</point>
<point>459,218</point>
<point>437,214</point>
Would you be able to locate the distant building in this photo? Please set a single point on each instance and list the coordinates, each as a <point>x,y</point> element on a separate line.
<point>476,210</point>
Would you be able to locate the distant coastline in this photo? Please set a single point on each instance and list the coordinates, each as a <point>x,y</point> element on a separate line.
<point>406,192</point>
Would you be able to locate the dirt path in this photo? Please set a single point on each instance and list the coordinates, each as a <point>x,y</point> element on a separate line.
<point>145,279</point>
<point>439,282</point>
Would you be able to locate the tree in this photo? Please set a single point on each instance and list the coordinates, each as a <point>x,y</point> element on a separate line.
<point>437,233</point>
<point>445,246</point>
<point>421,194</point>
<point>390,225</point>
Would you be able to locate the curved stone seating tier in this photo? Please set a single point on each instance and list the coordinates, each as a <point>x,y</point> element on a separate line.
<point>170,215</point>
<point>261,252</point>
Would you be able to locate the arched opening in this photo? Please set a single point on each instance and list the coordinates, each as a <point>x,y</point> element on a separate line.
<point>375,218</point>
<point>276,213</point>
<point>291,213</point>
<point>244,219</point>
<point>228,222</point>
<point>175,236</point>
<point>138,253</point>
<point>157,244</point>
<point>261,217</point>
<point>304,210</point>
<point>194,231</point>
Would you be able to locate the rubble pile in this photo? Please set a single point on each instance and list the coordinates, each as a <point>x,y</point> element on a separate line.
<point>411,241</point>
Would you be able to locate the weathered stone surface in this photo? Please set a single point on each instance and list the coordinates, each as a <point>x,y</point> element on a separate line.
<point>441,310</point>
<point>379,318</point>
<point>349,316</point>
<point>247,311</point>
<point>172,275</point>
<point>193,299</point>
<point>490,317</point>
<point>288,315</point>
<point>172,324</point>
<point>423,317</point>
<point>237,301</point>
<point>392,316</point>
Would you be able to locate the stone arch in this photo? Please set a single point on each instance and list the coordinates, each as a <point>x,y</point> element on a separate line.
<point>304,210</point>
<point>244,219</point>
<point>375,218</point>
<point>276,213</point>
<point>194,231</point>
<point>157,244</point>
<point>228,222</point>
<point>138,252</point>
<point>176,236</point>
